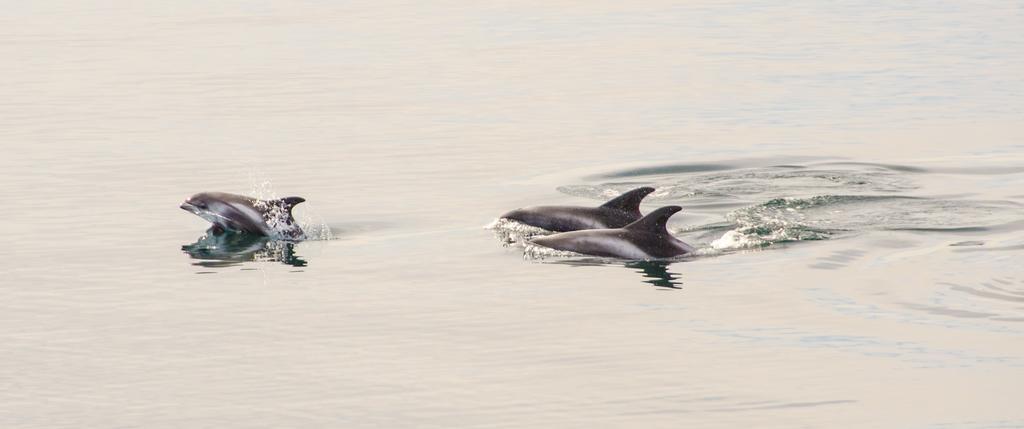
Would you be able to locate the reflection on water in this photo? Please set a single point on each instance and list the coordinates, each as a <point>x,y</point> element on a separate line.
<point>657,273</point>
<point>230,249</point>
<point>409,124</point>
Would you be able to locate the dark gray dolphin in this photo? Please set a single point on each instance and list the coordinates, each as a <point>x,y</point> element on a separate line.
<point>616,213</point>
<point>647,238</point>
<point>239,213</point>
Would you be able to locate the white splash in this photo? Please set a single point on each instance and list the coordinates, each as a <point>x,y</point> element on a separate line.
<point>314,227</point>
<point>533,251</point>
<point>734,239</point>
<point>511,232</point>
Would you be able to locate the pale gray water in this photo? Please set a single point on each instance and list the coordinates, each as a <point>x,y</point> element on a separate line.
<point>856,170</point>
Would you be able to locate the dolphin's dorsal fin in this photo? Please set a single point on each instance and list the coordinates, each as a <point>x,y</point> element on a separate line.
<point>630,201</point>
<point>278,215</point>
<point>288,203</point>
<point>655,221</point>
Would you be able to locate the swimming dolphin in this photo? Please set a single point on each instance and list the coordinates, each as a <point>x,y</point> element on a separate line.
<point>239,213</point>
<point>647,238</point>
<point>616,213</point>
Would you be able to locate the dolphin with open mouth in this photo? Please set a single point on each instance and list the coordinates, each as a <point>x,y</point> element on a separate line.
<point>647,238</point>
<point>239,213</point>
<point>616,213</point>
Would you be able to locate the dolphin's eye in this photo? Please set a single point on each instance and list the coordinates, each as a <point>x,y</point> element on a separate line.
<point>200,204</point>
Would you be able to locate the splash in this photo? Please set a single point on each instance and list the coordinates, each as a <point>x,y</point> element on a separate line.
<point>277,215</point>
<point>510,232</point>
<point>776,221</point>
<point>313,226</point>
<point>533,251</point>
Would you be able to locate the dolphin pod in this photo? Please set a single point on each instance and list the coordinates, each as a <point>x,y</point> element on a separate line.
<point>647,238</point>
<point>614,229</point>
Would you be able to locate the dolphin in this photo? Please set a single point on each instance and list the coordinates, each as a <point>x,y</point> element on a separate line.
<point>646,239</point>
<point>239,213</point>
<point>616,213</point>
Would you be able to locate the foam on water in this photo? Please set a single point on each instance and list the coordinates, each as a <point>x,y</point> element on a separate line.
<point>533,251</point>
<point>510,232</point>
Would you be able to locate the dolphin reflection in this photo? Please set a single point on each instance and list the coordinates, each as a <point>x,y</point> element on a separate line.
<point>228,248</point>
<point>657,272</point>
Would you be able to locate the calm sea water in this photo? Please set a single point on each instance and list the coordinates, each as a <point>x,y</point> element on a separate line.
<point>853,171</point>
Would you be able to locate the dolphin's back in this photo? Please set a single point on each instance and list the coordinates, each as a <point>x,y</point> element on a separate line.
<point>563,218</point>
<point>616,213</point>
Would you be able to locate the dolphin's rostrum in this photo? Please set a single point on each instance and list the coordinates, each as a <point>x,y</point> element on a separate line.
<point>647,238</point>
<point>239,213</point>
<point>616,213</point>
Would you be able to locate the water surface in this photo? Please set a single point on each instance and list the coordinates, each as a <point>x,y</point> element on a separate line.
<point>854,172</point>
